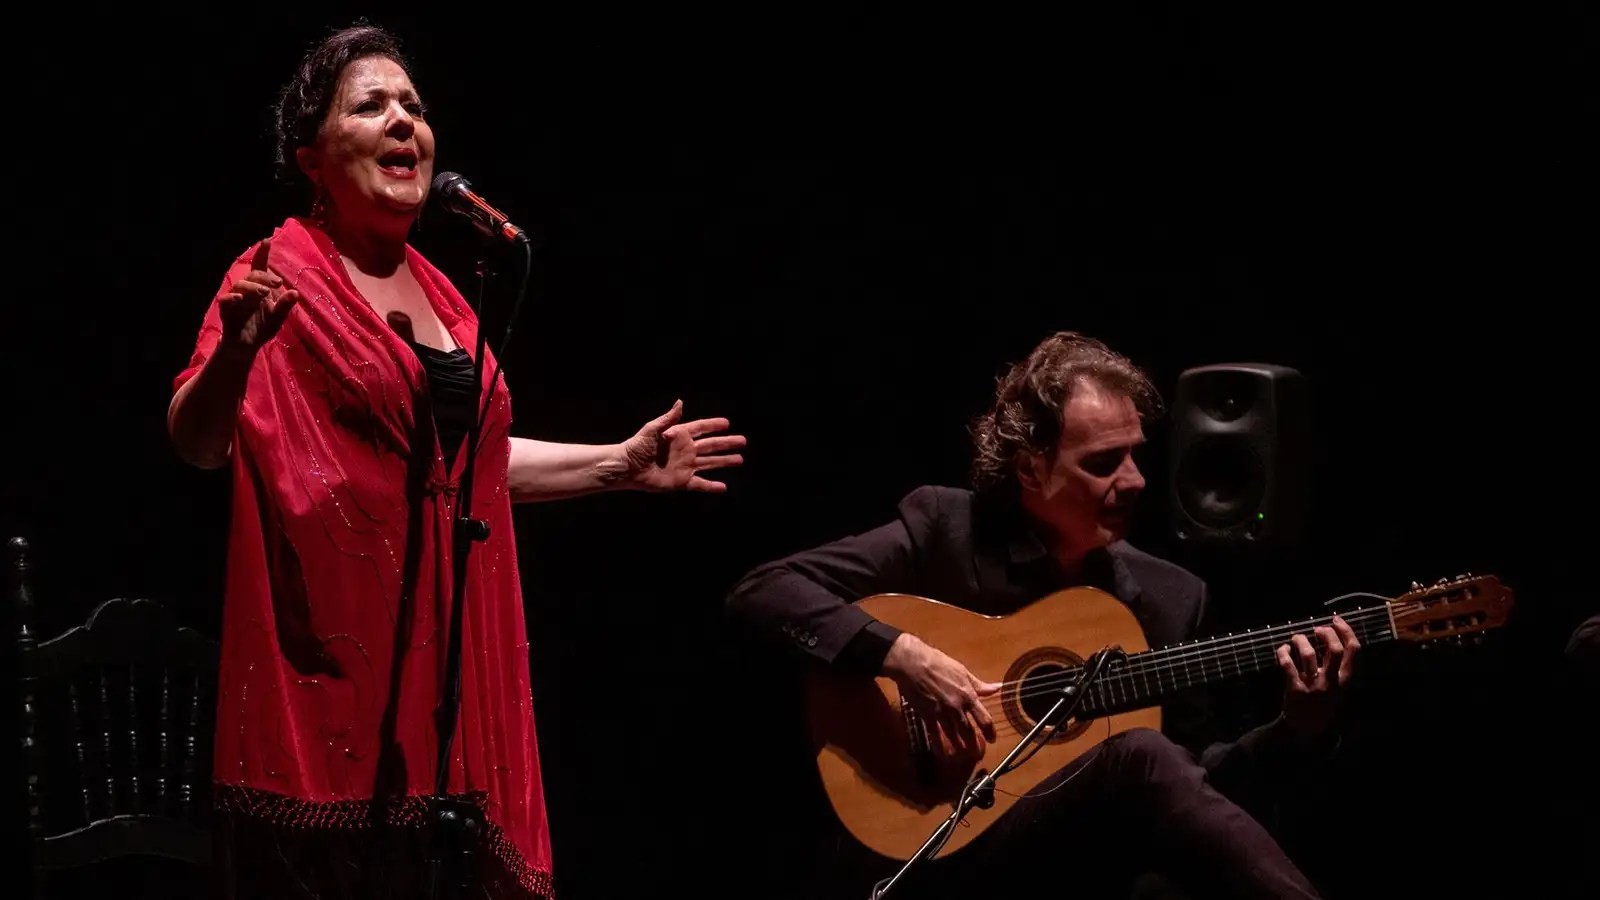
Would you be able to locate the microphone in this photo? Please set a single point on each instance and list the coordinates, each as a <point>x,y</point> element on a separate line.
<point>455,194</point>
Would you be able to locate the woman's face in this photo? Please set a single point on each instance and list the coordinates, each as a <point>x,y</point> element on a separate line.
<point>373,157</point>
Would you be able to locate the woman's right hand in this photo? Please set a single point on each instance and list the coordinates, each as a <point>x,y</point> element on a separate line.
<point>251,313</point>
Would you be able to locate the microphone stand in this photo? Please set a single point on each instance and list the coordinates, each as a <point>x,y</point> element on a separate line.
<point>457,822</point>
<point>981,792</point>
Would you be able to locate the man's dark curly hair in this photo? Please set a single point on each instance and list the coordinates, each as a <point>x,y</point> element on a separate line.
<point>1031,397</point>
<point>303,102</point>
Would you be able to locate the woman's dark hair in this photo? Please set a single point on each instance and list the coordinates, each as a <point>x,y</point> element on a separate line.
<point>1032,396</point>
<point>303,102</point>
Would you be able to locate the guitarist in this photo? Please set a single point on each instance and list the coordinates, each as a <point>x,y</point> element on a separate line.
<point>1055,483</point>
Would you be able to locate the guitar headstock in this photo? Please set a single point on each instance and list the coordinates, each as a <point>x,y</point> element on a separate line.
<point>1451,608</point>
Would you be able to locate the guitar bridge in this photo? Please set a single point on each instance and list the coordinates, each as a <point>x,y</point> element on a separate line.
<point>920,743</point>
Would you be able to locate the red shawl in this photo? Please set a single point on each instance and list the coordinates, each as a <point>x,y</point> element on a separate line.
<point>339,578</point>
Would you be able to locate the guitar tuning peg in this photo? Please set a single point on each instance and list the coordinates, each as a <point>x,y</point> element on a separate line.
<point>1415,586</point>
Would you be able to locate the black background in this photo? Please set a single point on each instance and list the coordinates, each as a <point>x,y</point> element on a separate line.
<point>835,229</point>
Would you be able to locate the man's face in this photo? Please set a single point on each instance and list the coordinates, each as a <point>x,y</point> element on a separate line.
<point>1085,491</point>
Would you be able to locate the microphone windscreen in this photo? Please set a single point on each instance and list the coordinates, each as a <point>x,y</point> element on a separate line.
<point>446,184</point>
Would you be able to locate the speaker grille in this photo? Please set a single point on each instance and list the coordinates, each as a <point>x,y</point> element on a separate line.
<point>1221,482</point>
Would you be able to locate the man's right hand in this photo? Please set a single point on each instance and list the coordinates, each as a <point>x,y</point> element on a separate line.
<point>941,690</point>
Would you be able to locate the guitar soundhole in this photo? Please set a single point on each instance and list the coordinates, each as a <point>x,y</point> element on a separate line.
<point>1033,685</point>
<point>1040,690</point>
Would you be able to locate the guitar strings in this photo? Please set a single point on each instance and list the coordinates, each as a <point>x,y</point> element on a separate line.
<point>1369,629</point>
<point>1101,691</point>
<point>1167,659</point>
<point>1004,726</point>
<point>1369,624</point>
<point>1105,691</point>
<point>1165,665</point>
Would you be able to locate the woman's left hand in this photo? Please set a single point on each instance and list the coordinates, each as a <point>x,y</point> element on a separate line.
<point>669,455</point>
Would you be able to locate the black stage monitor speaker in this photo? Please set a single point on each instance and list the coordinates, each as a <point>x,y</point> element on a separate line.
<point>1239,466</point>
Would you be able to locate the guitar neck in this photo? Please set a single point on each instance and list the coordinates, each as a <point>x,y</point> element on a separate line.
<point>1145,679</point>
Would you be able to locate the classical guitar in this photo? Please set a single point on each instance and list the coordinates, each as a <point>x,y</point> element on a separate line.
<point>891,789</point>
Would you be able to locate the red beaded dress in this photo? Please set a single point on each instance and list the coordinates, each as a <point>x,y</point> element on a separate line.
<point>337,606</point>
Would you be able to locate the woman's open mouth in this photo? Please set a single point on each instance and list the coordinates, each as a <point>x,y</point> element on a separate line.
<point>399,163</point>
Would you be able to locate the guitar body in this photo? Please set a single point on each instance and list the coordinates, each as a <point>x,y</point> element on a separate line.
<point>884,785</point>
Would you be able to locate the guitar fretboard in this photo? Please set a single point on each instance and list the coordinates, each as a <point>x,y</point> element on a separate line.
<point>1144,679</point>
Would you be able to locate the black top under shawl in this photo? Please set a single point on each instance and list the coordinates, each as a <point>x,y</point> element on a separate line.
<point>454,395</point>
